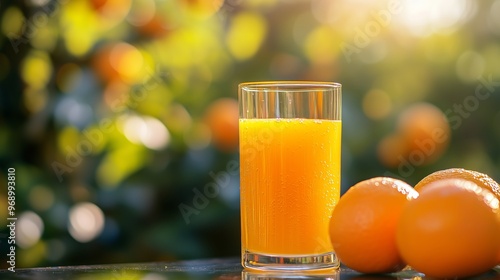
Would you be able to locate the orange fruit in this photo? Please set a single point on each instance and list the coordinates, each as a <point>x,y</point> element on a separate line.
<point>451,230</point>
<point>221,117</point>
<point>480,179</point>
<point>422,136</point>
<point>119,62</point>
<point>427,132</point>
<point>363,224</point>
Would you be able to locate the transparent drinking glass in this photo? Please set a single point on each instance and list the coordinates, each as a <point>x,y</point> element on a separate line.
<point>290,142</point>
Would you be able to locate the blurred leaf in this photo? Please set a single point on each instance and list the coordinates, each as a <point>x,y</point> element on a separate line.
<point>120,163</point>
<point>246,34</point>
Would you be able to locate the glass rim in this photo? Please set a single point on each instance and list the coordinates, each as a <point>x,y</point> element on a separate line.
<point>288,86</point>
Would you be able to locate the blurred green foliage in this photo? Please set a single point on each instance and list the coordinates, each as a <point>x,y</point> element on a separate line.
<point>118,115</point>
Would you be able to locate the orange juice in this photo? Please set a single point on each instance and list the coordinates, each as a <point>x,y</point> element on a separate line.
<point>290,183</point>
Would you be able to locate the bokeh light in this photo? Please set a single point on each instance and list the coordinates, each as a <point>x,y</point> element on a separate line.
<point>426,17</point>
<point>421,137</point>
<point>12,22</point>
<point>148,131</point>
<point>79,26</point>
<point>246,34</point>
<point>30,228</point>
<point>494,21</point>
<point>86,222</point>
<point>120,61</point>
<point>73,112</point>
<point>111,12</point>
<point>142,12</point>
<point>222,120</point>
<point>36,69</point>
<point>322,45</point>
<point>39,3</point>
<point>202,8</point>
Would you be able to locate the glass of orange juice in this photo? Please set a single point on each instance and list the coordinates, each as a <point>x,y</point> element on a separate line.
<point>290,141</point>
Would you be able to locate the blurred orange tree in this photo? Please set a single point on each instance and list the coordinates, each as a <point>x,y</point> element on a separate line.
<point>120,116</point>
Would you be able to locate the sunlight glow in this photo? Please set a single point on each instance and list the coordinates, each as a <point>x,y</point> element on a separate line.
<point>426,17</point>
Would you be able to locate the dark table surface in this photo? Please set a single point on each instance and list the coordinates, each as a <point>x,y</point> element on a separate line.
<point>222,269</point>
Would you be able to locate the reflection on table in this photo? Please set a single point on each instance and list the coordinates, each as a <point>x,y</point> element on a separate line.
<point>220,269</point>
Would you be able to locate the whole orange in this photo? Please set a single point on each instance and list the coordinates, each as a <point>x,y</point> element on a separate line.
<point>451,230</point>
<point>363,224</point>
<point>479,178</point>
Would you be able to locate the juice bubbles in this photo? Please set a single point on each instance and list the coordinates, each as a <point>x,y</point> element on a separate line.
<point>290,183</point>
